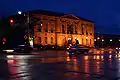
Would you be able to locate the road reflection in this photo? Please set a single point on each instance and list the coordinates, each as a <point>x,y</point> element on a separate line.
<point>36,67</point>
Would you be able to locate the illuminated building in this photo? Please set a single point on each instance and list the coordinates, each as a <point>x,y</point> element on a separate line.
<point>59,29</point>
<point>53,28</point>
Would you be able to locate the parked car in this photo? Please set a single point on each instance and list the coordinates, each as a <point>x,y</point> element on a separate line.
<point>117,48</point>
<point>22,49</point>
<point>75,49</point>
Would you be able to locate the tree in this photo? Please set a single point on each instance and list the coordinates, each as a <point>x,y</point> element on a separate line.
<point>4,26</point>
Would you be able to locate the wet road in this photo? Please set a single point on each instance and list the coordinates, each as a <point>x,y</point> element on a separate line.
<point>57,65</point>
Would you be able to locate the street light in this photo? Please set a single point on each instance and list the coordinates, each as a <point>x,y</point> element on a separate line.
<point>94,39</point>
<point>119,40</point>
<point>20,12</point>
<point>98,38</point>
<point>110,42</point>
<point>102,40</point>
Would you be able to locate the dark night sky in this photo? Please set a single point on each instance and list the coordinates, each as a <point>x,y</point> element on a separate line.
<point>106,13</point>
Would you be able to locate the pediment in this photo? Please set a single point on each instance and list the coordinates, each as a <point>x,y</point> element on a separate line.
<point>71,16</point>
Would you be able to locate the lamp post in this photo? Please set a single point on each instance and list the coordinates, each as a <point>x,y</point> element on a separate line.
<point>95,42</point>
<point>98,38</point>
<point>102,42</point>
<point>110,42</point>
<point>19,12</point>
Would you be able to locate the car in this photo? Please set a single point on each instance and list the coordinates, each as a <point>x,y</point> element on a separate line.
<point>75,49</point>
<point>117,48</point>
<point>22,49</point>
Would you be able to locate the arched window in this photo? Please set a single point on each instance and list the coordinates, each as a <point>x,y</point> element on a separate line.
<point>70,29</point>
<point>40,26</point>
<point>82,28</point>
<point>75,29</point>
<point>45,40</point>
<point>86,41</point>
<point>63,29</point>
<point>51,40</point>
<point>40,40</point>
<point>82,41</point>
<point>52,28</point>
<point>46,28</point>
<point>90,41</point>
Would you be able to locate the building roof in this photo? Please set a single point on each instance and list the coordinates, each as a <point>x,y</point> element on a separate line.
<point>45,12</point>
<point>52,13</point>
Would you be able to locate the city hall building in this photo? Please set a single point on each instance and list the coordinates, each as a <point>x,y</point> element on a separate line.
<point>61,29</point>
<point>53,28</point>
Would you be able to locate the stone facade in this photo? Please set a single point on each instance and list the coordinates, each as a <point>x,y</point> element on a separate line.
<point>64,29</point>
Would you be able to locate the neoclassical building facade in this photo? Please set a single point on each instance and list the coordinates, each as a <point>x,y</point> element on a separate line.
<point>60,29</point>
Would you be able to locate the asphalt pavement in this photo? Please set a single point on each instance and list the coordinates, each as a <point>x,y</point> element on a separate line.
<point>57,65</point>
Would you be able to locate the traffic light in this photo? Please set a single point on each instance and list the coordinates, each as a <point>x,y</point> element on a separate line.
<point>11,21</point>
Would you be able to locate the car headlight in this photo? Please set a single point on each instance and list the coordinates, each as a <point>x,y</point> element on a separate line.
<point>116,48</point>
<point>119,48</point>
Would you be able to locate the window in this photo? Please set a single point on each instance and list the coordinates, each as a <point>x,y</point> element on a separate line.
<point>82,29</point>
<point>51,40</point>
<point>40,27</point>
<point>86,41</point>
<point>90,41</point>
<point>52,30</point>
<point>70,29</point>
<point>75,30</point>
<point>63,30</point>
<point>45,40</point>
<point>40,40</point>
<point>46,28</point>
<point>82,41</point>
<point>86,33</point>
<point>90,33</point>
